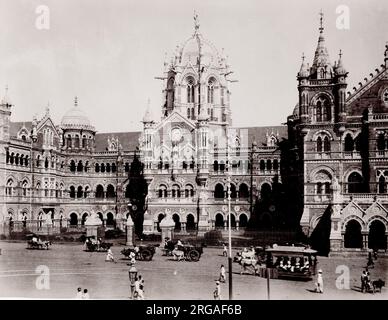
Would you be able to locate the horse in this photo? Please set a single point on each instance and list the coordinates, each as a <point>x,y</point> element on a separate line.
<point>377,285</point>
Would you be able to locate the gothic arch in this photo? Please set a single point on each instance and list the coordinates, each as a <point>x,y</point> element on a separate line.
<point>379,218</point>
<point>190,213</point>
<point>322,133</point>
<point>353,217</point>
<point>350,170</point>
<point>325,94</point>
<point>314,172</point>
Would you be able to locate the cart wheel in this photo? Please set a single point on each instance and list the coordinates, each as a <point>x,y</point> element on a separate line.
<point>194,255</point>
<point>146,255</point>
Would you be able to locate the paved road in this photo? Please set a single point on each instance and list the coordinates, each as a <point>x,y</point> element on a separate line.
<point>71,267</point>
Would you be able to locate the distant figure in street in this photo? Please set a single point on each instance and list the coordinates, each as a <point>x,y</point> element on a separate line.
<point>363,281</point>
<point>217,291</point>
<point>370,260</point>
<point>109,256</point>
<point>222,274</point>
<point>225,251</point>
<point>319,283</point>
<point>85,295</point>
<point>79,293</point>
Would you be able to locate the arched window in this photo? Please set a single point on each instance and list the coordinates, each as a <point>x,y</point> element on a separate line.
<point>17,159</point>
<point>99,191</point>
<point>262,165</point>
<point>233,191</point>
<point>46,163</point>
<point>37,161</point>
<point>26,161</point>
<point>265,191</point>
<point>84,217</point>
<point>97,167</point>
<point>319,188</point>
<point>9,188</point>
<point>24,188</point>
<point>72,192</point>
<point>349,143</point>
<point>84,142</point>
<point>381,142</point>
<point>321,73</point>
<point>110,191</point>
<point>269,164</point>
<point>243,191</point>
<point>319,111</point>
<point>326,144</point>
<point>76,141</point>
<point>102,167</point>
<point>170,93</point>
<point>190,224</point>
<point>353,235</point>
<point>73,219</point>
<point>276,164</point>
<point>219,223</point>
<point>327,111</point>
<point>107,168</point>
<point>80,166</point>
<point>210,90</point>
<point>323,109</point>
<point>21,159</point>
<point>355,183</point>
<point>176,219</point>
<point>357,142</point>
<point>319,144</point>
<point>222,166</point>
<point>215,166</point>
<point>382,185</point>
<point>86,192</point>
<point>176,192</point>
<point>162,192</point>
<point>113,167</point>
<point>219,191</point>
<point>72,166</point>
<point>110,221</point>
<point>190,90</point>
<point>243,220</point>
<point>79,192</point>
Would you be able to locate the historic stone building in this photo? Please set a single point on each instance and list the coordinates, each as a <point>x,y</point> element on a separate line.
<point>192,154</point>
<point>59,174</point>
<point>342,143</point>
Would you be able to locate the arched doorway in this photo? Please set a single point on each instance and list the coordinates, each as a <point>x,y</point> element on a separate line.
<point>233,218</point>
<point>243,220</point>
<point>176,219</point>
<point>376,237</point>
<point>219,191</point>
<point>243,191</point>
<point>73,219</point>
<point>190,224</point>
<point>355,183</point>
<point>353,236</point>
<point>265,191</point>
<point>84,216</point>
<point>110,221</point>
<point>160,218</point>
<point>219,223</point>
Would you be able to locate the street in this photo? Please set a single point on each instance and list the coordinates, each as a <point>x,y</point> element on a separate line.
<point>70,267</point>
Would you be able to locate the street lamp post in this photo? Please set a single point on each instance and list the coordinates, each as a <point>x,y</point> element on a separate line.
<point>132,277</point>
<point>229,220</point>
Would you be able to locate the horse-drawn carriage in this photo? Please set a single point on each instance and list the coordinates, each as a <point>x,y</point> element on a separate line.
<point>182,251</point>
<point>91,244</point>
<point>34,242</point>
<point>142,252</point>
<point>250,260</point>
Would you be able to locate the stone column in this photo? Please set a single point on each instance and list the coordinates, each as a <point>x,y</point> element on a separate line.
<point>335,232</point>
<point>130,233</point>
<point>167,226</point>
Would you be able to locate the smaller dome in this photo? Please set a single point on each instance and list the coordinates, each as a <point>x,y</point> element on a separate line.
<point>340,69</point>
<point>75,118</point>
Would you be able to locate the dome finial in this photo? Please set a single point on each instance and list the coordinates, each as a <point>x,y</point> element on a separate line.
<point>321,28</point>
<point>196,22</point>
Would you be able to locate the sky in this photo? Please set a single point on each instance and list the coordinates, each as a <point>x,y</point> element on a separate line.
<point>107,53</point>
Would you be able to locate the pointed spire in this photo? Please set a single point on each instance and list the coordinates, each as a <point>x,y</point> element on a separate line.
<point>5,100</point>
<point>48,108</point>
<point>340,69</point>
<point>75,101</point>
<point>148,114</point>
<point>303,72</point>
<point>321,68</point>
<point>196,22</point>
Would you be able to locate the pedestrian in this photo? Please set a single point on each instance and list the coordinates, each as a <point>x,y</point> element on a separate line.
<point>85,295</point>
<point>319,283</point>
<point>222,274</point>
<point>109,256</point>
<point>370,260</point>
<point>363,281</point>
<point>225,251</point>
<point>79,293</point>
<point>217,291</point>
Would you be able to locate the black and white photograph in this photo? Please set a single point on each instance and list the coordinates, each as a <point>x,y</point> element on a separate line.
<point>193,150</point>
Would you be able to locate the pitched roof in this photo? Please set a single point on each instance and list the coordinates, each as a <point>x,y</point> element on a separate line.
<point>128,140</point>
<point>16,126</point>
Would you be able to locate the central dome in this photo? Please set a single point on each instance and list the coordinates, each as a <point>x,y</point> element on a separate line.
<point>76,118</point>
<point>195,44</point>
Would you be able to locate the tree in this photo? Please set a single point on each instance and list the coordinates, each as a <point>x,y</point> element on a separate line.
<point>138,190</point>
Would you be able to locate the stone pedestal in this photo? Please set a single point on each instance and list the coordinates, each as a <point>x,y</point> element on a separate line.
<point>335,232</point>
<point>148,223</point>
<point>91,224</point>
<point>167,226</point>
<point>203,223</point>
<point>130,232</point>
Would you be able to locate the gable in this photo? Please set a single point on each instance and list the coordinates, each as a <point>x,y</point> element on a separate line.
<point>369,95</point>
